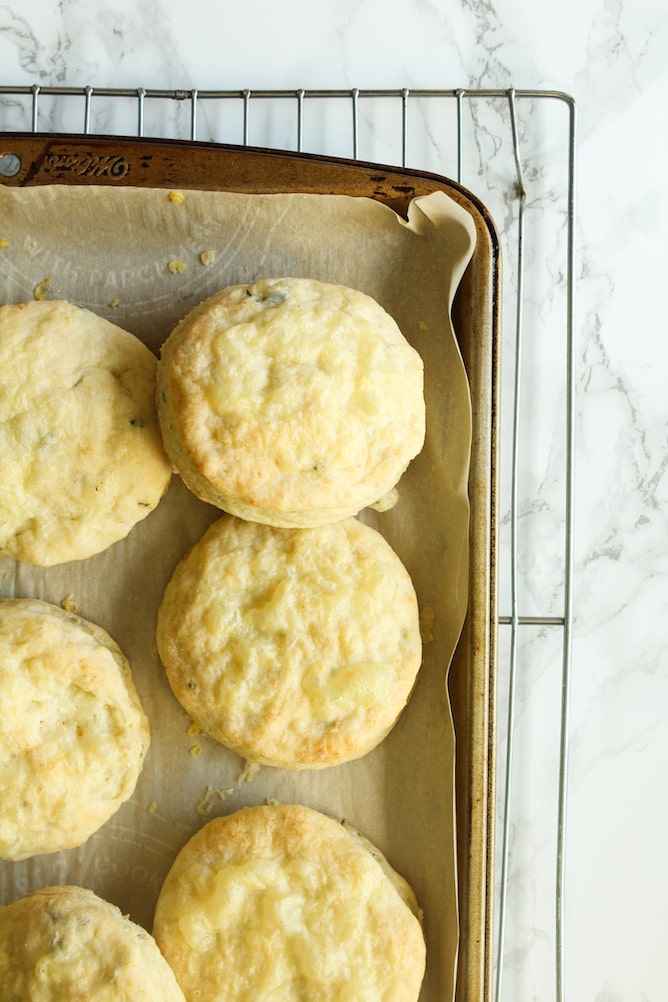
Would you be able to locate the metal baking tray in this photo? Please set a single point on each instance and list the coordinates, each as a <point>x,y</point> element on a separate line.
<point>47,159</point>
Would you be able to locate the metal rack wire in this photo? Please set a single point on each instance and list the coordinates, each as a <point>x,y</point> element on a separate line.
<point>500,144</point>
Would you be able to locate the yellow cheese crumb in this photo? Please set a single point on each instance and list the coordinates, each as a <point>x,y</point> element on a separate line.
<point>152,807</point>
<point>248,773</point>
<point>176,267</point>
<point>193,730</point>
<point>427,616</point>
<point>207,257</point>
<point>176,197</point>
<point>42,289</point>
<point>205,806</point>
<point>195,751</point>
<point>114,304</point>
<point>3,243</point>
<point>69,603</point>
<point>387,501</point>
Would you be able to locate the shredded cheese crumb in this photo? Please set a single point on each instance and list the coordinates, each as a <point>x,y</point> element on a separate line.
<point>207,257</point>
<point>152,807</point>
<point>195,751</point>
<point>387,501</point>
<point>69,603</point>
<point>176,267</point>
<point>248,773</point>
<point>177,197</point>
<point>427,616</point>
<point>42,289</point>
<point>3,243</point>
<point>193,730</point>
<point>205,806</point>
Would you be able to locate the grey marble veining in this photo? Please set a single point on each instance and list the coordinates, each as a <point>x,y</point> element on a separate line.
<point>611,57</point>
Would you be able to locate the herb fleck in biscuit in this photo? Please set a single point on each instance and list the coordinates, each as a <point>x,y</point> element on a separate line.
<point>296,648</point>
<point>282,902</point>
<point>81,455</point>
<point>67,943</point>
<point>73,735</point>
<point>291,402</point>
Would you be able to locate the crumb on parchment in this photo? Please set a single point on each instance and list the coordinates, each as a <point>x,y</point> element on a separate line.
<point>152,807</point>
<point>176,267</point>
<point>207,257</point>
<point>248,773</point>
<point>177,197</point>
<point>427,617</point>
<point>114,304</point>
<point>3,243</point>
<point>69,603</point>
<point>205,805</point>
<point>387,501</point>
<point>42,289</point>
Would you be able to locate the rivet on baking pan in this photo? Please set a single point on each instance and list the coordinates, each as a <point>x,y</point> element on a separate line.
<point>10,165</point>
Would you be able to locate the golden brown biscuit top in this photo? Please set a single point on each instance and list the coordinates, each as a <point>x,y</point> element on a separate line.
<point>81,455</point>
<point>281,902</point>
<point>73,734</point>
<point>291,395</point>
<point>294,647</point>
<point>67,943</point>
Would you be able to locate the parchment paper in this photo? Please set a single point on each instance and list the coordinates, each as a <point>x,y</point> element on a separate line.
<point>133,256</point>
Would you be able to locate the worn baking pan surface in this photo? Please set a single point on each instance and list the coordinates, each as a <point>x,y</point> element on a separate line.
<point>90,219</point>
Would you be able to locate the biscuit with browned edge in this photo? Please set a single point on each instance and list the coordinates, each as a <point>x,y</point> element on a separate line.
<point>297,648</point>
<point>67,943</point>
<point>81,455</point>
<point>290,401</point>
<point>282,902</point>
<point>73,734</point>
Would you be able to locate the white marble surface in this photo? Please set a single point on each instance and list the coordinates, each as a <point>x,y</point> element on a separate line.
<point>611,57</point>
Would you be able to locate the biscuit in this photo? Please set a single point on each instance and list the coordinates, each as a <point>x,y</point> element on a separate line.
<point>67,943</point>
<point>81,455</point>
<point>296,648</point>
<point>73,734</point>
<point>291,401</point>
<point>281,902</point>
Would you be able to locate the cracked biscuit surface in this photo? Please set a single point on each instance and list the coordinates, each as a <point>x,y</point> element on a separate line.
<point>282,902</point>
<point>81,455</point>
<point>291,401</point>
<point>73,734</point>
<point>297,648</point>
<point>67,943</point>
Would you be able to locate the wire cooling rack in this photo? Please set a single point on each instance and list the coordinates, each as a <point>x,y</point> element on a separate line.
<point>516,150</point>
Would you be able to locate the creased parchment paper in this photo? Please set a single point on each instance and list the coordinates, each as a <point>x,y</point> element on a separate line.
<point>134,256</point>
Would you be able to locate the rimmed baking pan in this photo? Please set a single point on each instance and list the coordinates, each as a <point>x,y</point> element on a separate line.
<point>69,203</point>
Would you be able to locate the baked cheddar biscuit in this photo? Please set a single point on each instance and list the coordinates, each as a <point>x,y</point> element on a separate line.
<point>67,943</point>
<point>296,648</point>
<point>283,903</point>
<point>291,401</point>
<point>81,455</point>
<point>73,735</point>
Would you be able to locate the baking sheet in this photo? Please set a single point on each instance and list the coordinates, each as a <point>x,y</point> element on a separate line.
<point>134,256</point>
